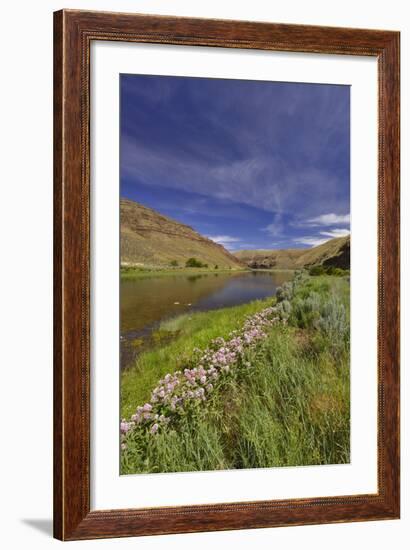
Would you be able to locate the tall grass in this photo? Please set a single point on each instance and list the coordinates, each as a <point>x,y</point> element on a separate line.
<point>296,410</point>
<point>291,407</point>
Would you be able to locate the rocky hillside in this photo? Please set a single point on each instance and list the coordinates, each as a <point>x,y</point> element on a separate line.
<point>334,252</point>
<point>151,239</point>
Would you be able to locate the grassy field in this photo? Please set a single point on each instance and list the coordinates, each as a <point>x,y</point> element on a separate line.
<point>289,406</point>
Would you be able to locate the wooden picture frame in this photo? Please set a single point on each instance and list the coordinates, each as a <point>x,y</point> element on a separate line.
<point>74,32</point>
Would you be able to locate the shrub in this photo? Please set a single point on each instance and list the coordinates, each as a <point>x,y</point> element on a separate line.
<point>335,271</point>
<point>284,308</point>
<point>174,263</point>
<point>323,312</point>
<point>333,321</point>
<point>284,292</point>
<point>193,262</point>
<point>306,311</point>
<point>299,277</point>
<point>279,293</point>
<point>316,270</point>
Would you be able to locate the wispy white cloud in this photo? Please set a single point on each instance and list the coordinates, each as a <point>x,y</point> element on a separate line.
<point>322,237</point>
<point>329,219</point>
<point>223,239</point>
<point>262,181</point>
<point>310,241</point>
<point>227,241</point>
<point>276,227</point>
<point>332,233</point>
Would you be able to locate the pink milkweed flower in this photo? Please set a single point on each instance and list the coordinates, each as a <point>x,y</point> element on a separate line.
<point>154,428</point>
<point>125,427</point>
<point>220,357</point>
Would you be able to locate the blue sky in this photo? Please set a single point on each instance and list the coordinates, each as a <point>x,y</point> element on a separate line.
<point>248,164</point>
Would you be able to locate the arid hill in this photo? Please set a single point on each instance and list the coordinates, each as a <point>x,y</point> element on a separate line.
<point>334,252</point>
<point>151,239</point>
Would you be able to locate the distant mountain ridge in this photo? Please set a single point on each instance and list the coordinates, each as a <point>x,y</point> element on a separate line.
<point>149,238</point>
<point>335,252</point>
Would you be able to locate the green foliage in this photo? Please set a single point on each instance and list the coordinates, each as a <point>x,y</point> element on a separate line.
<point>296,409</point>
<point>216,266</point>
<point>195,446</point>
<point>337,271</point>
<point>174,263</point>
<point>306,311</point>
<point>284,308</point>
<point>137,343</point>
<point>193,262</point>
<point>317,270</point>
<point>322,305</point>
<point>284,292</point>
<point>300,277</point>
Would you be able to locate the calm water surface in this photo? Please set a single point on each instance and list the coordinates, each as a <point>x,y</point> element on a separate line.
<point>145,302</point>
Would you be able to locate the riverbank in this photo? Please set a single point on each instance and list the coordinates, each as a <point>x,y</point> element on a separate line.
<point>147,301</point>
<point>140,272</point>
<point>290,406</point>
<point>176,340</point>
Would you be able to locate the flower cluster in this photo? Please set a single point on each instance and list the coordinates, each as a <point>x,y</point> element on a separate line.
<point>176,392</point>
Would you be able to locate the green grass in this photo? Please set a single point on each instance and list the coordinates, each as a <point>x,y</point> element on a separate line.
<point>190,331</point>
<point>142,272</point>
<point>290,408</point>
<point>296,406</point>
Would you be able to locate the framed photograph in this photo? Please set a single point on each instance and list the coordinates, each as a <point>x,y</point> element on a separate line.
<point>226,275</point>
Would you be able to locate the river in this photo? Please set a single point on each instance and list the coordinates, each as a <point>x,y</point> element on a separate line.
<point>147,301</point>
